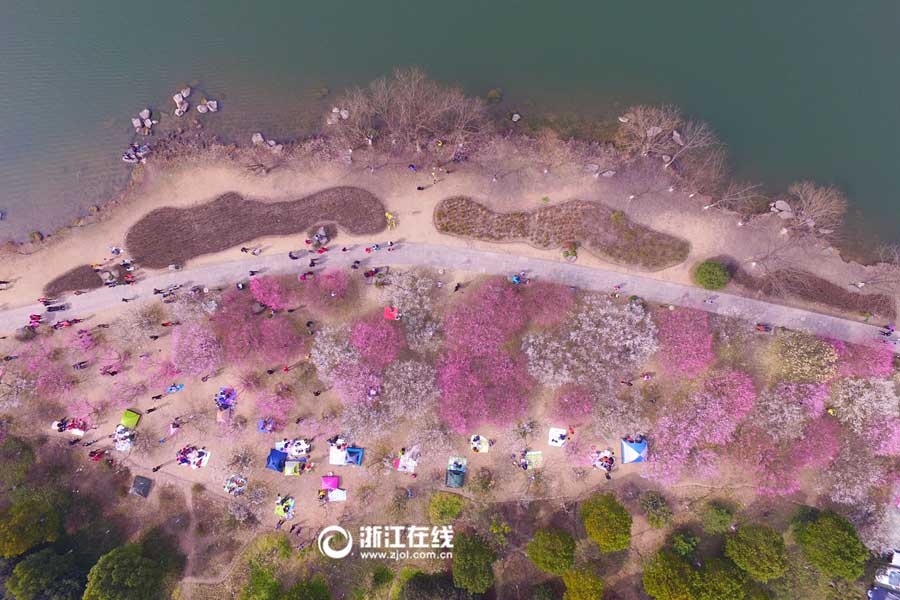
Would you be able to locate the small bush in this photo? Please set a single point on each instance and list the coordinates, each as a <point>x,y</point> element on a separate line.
<point>716,518</point>
<point>657,509</point>
<point>830,543</point>
<point>581,584</point>
<point>472,564</point>
<point>712,275</point>
<point>444,507</point>
<point>606,522</point>
<point>758,550</point>
<point>684,543</point>
<point>552,550</point>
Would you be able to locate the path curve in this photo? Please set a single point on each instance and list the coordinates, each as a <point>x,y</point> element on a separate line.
<point>477,261</point>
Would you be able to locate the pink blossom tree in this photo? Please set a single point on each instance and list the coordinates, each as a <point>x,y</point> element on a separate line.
<point>573,404</point>
<point>886,436</point>
<point>481,389</point>
<point>51,377</point>
<point>688,437</point>
<point>126,394</point>
<point>485,318</point>
<point>357,384</point>
<point>329,289</point>
<point>377,340</point>
<point>247,337</point>
<point>195,349</point>
<point>275,406</point>
<point>272,292</point>
<point>548,304</point>
<point>864,360</point>
<point>685,341</point>
<point>482,381</point>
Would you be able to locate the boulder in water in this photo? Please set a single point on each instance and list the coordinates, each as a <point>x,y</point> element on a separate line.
<point>345,114</point>
<point>676,137</point>
<point>144,114</point>
<point>148,123</point>
<point>136,123</point>
<point>516,117</point>
<point>212,105</point>
<point>178,98</point>
<point>257,138</point>
<point>186,92</point>
<point>201,108</point>
<point>782,205</point>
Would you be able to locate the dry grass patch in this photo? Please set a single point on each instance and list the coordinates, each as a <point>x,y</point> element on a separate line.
<point>171,235</point>
<point>604,232</point>
<point>79,278</point>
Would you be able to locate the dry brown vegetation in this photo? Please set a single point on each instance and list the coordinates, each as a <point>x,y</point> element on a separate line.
<point>174,235</point>
<point>604,232</point>
<point>79,278</point>
<point>806,286</point>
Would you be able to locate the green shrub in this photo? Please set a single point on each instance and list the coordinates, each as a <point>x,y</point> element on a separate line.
<point>712,275</point>
<point>46,575</point>
<point>667,577</point>
<point>758,550</point>
<point>721,579</point>
<point>684,543</point>
<point>581,584</point>
<point>431,586</point>
<point>830,543</point>
<point>716,518</point>
<point>552,550</point>
<point>657,509</point>
<point>315,588</point>
<point>444,507</point>
<point>32,520</point>
<point>472,564</point>
<point>126,573</point>
<point>499,529</point>
<point>606,522</point>
<point>16,458</point>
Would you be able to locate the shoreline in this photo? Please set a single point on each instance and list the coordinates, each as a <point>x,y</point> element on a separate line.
<point>190,174</point>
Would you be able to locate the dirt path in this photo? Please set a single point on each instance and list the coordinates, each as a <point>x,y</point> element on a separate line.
<point>474,261</point>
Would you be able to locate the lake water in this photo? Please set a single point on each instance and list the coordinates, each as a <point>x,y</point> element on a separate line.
<point>800,89</point>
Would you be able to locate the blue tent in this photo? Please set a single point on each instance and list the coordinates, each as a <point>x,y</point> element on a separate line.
<point>634,451</point>
<point>354,456</point>
<point>276,460</point>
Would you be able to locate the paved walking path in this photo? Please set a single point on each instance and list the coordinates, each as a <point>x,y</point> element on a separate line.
<point>465,259</point>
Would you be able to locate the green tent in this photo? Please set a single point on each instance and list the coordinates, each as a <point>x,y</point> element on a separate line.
<point>130,418</point>
<point>455,478</point>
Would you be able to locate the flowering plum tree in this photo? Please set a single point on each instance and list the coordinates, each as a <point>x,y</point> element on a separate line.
<point>686,438</point>
<point>195,349</point>
<point>783,409</point>
<point>484,388</point>
<point>685,341</point>
<point>486,319</point>
<point>356,384</point>
<point>886,436</point>
<point>246,337</point>
<point>377,340</point>
<point>272,292</point>
<point>50,375</point>
<point>859,402</point>
<point>601,336</point>
<point>802,358</point>
<point>864,361</point>
<point>573,404</point>
<point>548,304</point>
<point>276,406</point>
<point>411,292</point>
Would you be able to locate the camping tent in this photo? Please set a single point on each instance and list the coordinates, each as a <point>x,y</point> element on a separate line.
<point>634,450</point>
<point>391,313</point>
<point>557,437</point>
<point>141,486</point>
<point>456,472</point>
<point>330,482</point>
<point>276,460</point>
<point>354,456</point>
<point>292,468</point>
<point>337,495</point>
<point>130,418</point>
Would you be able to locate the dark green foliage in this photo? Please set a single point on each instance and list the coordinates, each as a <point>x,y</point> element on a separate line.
<point>657,509</point>
<point>581,584</point>
<point>552,550</point>
<point>830,543</point>
<point>261,585</point>
<point>721,579</point>
<point>712,275</point>
<point>472,563</point>
<point>33,519</point>
<point>432,586</point>
<point>16,458</point>
<point>124,573</point>
<point>607,522</point>
<point>758,550</point>
<point>46,575</point>
<point>546,591</point>
<point>311,589</point>
<point>684,543</point>
<point>667,577</point>
<point>717,518</point>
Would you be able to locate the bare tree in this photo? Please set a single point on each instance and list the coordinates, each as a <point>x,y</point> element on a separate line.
<point>741,197</point>
<point>411,112</point>
<point>692,138</point>
<point>647,130</point>
<point>703,172</point>
<point>885,275</point>
<point>817,209</point>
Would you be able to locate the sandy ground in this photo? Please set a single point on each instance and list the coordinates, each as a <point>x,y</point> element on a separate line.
<point>710,233</point>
